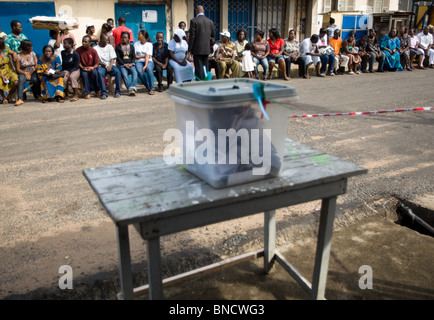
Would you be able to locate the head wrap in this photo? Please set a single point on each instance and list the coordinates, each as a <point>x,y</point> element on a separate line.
<point>180,33</point>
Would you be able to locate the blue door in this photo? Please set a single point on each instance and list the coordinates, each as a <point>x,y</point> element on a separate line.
<point>151,18</point>
<point>10,10</point>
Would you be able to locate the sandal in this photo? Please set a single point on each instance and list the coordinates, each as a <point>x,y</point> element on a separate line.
<point>5,101</point>
<point>74,99</point>
<point>19,102</point>
<point>151,92</point>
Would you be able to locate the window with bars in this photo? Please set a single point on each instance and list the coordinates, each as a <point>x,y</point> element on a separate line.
<point>379,6</point>
<point>346,5</point>
<point>327,6</point>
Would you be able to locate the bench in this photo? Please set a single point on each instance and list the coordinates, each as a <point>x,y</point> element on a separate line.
<point>160,199</point>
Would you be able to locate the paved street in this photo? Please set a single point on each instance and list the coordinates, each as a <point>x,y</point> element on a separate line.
<point>50,216</point>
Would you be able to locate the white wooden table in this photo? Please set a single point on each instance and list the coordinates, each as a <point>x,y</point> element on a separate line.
<point>161,199</point>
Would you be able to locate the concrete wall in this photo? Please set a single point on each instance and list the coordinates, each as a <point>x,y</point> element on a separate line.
<point>95,11</point>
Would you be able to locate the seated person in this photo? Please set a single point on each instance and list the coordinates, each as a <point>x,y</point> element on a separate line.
<point>178,47</point>
<point>50,74</point>
<point>144,62</point>
<point>309,51</point>
<point>362,44</point>
<point>89,62</point>
<point>349,50</point>
<point>260,51</point>
<point>126,59</point>
<point>226,54</point>
<point>390,44</point>
<point>426,42</point>
<point>107,65</point>
<point>292,54</point>
<point>415,50</point>
<point>276,44</point>
<point>374,50</point>
<point>8,78</point>
<point>160,57</point>
<point>404,50</point>
<point>26,69</point>
<point>71,68</point>
<point>341,61</point>
<point>212,62</point>
<point>240,43</point>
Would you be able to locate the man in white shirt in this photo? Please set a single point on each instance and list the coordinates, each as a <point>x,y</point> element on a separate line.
<point>107,66</point>
<point>426,43</point>
<point>310,52</point>
<point>415,51</point>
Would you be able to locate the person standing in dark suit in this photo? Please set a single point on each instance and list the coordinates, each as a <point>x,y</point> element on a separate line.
<point>201,31</point>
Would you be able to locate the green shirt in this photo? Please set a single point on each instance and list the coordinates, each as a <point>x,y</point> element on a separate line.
<point>13,42</point>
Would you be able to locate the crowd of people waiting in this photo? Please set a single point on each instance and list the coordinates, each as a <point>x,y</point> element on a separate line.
<point>114,53</point>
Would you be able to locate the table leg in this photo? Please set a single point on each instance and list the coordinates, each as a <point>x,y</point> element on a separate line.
<point>125,272</point>
<point>269,239</point>
<point>325,231</point>
<point>154,269</point>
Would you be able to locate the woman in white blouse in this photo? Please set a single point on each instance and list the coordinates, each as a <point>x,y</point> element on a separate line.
<point>144,64</point>
<point>178,47</point>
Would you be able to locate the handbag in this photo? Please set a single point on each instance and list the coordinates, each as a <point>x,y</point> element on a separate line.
<point>61,74</point>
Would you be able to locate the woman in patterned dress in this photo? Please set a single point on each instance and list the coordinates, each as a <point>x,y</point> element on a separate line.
<point>26,69</point>
<point>404,50</point>
<point>292,54</point>
<point>49,71</point>
<point>390,45</point>
<point>8,78</point>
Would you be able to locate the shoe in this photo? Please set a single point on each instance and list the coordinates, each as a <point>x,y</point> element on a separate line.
<point>331,74</point>
<point>322,75</point>
<point>103,97</point>
<point>351,72</point>
<point>358,72</point>
<point>151,92</point>
<point>117,95</point>
<point>73,99</point>
<point>160,88</point>
<point>88,96</point>
<point>132,93</point>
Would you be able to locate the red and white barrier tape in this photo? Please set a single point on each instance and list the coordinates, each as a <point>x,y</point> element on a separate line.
<point>358,113</point>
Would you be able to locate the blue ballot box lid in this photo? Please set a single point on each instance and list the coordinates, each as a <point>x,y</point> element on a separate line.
<point>228,91</point>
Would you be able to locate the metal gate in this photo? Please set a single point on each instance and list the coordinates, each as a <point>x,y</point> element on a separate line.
<point>250,15</point>
<point>253,15</point>
<point>300,19</point>
<point>241,15</point>
<point>270,14</point>
<point>212,11</point>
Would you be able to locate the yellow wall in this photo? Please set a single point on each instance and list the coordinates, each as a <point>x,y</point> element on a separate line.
<point>95,11</point>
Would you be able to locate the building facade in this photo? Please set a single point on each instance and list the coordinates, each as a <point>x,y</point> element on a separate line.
<point>304,16</point>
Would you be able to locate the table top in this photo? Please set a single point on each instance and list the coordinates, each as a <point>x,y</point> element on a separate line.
<point>136,191</point>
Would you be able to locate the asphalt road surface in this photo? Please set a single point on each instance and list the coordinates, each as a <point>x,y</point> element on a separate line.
<point>50,217</point>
